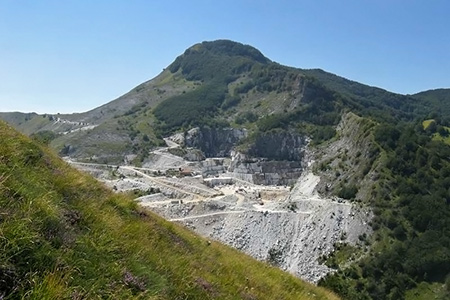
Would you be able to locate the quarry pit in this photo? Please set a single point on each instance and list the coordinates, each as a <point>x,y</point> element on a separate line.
<point>287,225</point>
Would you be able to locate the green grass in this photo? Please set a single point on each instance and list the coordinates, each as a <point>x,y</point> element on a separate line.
<point>437,136</point>
<point>445,139</point>
<point>426,291</point>
<point>63,235</point>
<point>343,254</point>
<point>427,123</point>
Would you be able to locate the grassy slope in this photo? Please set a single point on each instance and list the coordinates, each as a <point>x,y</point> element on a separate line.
<point>27,123</point>
<point>437,136</point>
<point>64,235</point>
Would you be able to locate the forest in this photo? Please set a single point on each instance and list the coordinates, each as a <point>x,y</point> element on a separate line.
<point>411,222</point>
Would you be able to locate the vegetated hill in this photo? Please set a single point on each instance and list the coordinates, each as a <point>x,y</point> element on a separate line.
<point>218,84</point>
<point>65,236</point>
<point>410,248</point>
<point>437,98</point>
<point>373,101</point>
<point>21,121</point>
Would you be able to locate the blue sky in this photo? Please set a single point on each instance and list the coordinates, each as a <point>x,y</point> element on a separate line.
<point>72,56</point>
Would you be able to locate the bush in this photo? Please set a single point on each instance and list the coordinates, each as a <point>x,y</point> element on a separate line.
<point>348,192</point>
<point>230,101</point>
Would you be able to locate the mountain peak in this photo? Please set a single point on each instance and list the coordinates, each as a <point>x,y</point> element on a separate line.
<point>225,56</point>
<point>229,48</point>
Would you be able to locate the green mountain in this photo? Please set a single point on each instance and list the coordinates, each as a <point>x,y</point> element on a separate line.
<point>373,101</point>
<point>220,83</point>
<point>368,145</point>
<point>63,235</point>
<point>439,98</point>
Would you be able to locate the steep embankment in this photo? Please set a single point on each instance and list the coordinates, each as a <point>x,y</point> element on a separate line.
<point>65,236</point>
<point>349,163</point>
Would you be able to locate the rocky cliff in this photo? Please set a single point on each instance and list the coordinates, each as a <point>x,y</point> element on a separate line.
<point>214,142</point>
<point>279,145</point>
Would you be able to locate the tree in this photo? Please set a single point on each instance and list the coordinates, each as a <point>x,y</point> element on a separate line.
<point>442,131</point>
<point>432,127</point>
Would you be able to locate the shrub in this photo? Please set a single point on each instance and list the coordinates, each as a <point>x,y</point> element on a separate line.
<point>348,192</point>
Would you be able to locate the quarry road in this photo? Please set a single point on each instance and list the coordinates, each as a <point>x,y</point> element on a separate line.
<point>171,158</point>
<point>179,187</point>
<point>209,215</point>
<point>304,198</point>
<point>228,212</point>
<point>208,192</point>
<point>89,164</point>
<point>174,201</point>
<point>161,182</point>
<point>241,181</point>
<point>241,199</point>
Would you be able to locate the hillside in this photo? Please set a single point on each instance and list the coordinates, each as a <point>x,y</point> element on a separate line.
<point>65,236</point>
<point>373,101</point>
<point>410,248</point>
<point>437,98</point>
<point>220,83</point>
<point>340,183</point>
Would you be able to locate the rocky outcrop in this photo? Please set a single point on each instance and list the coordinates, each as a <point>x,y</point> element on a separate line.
<point>213,166</point>
<point>279,145</point>
<point>214,142</point>
<point>275,158</point>
<point>212,182</point>
<point>193,154</point>
<point>351,160</point>
<point>263,171</point>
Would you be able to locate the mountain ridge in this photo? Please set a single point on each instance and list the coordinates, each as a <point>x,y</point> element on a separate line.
<point>142,93</point>
<point>192,69</point>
